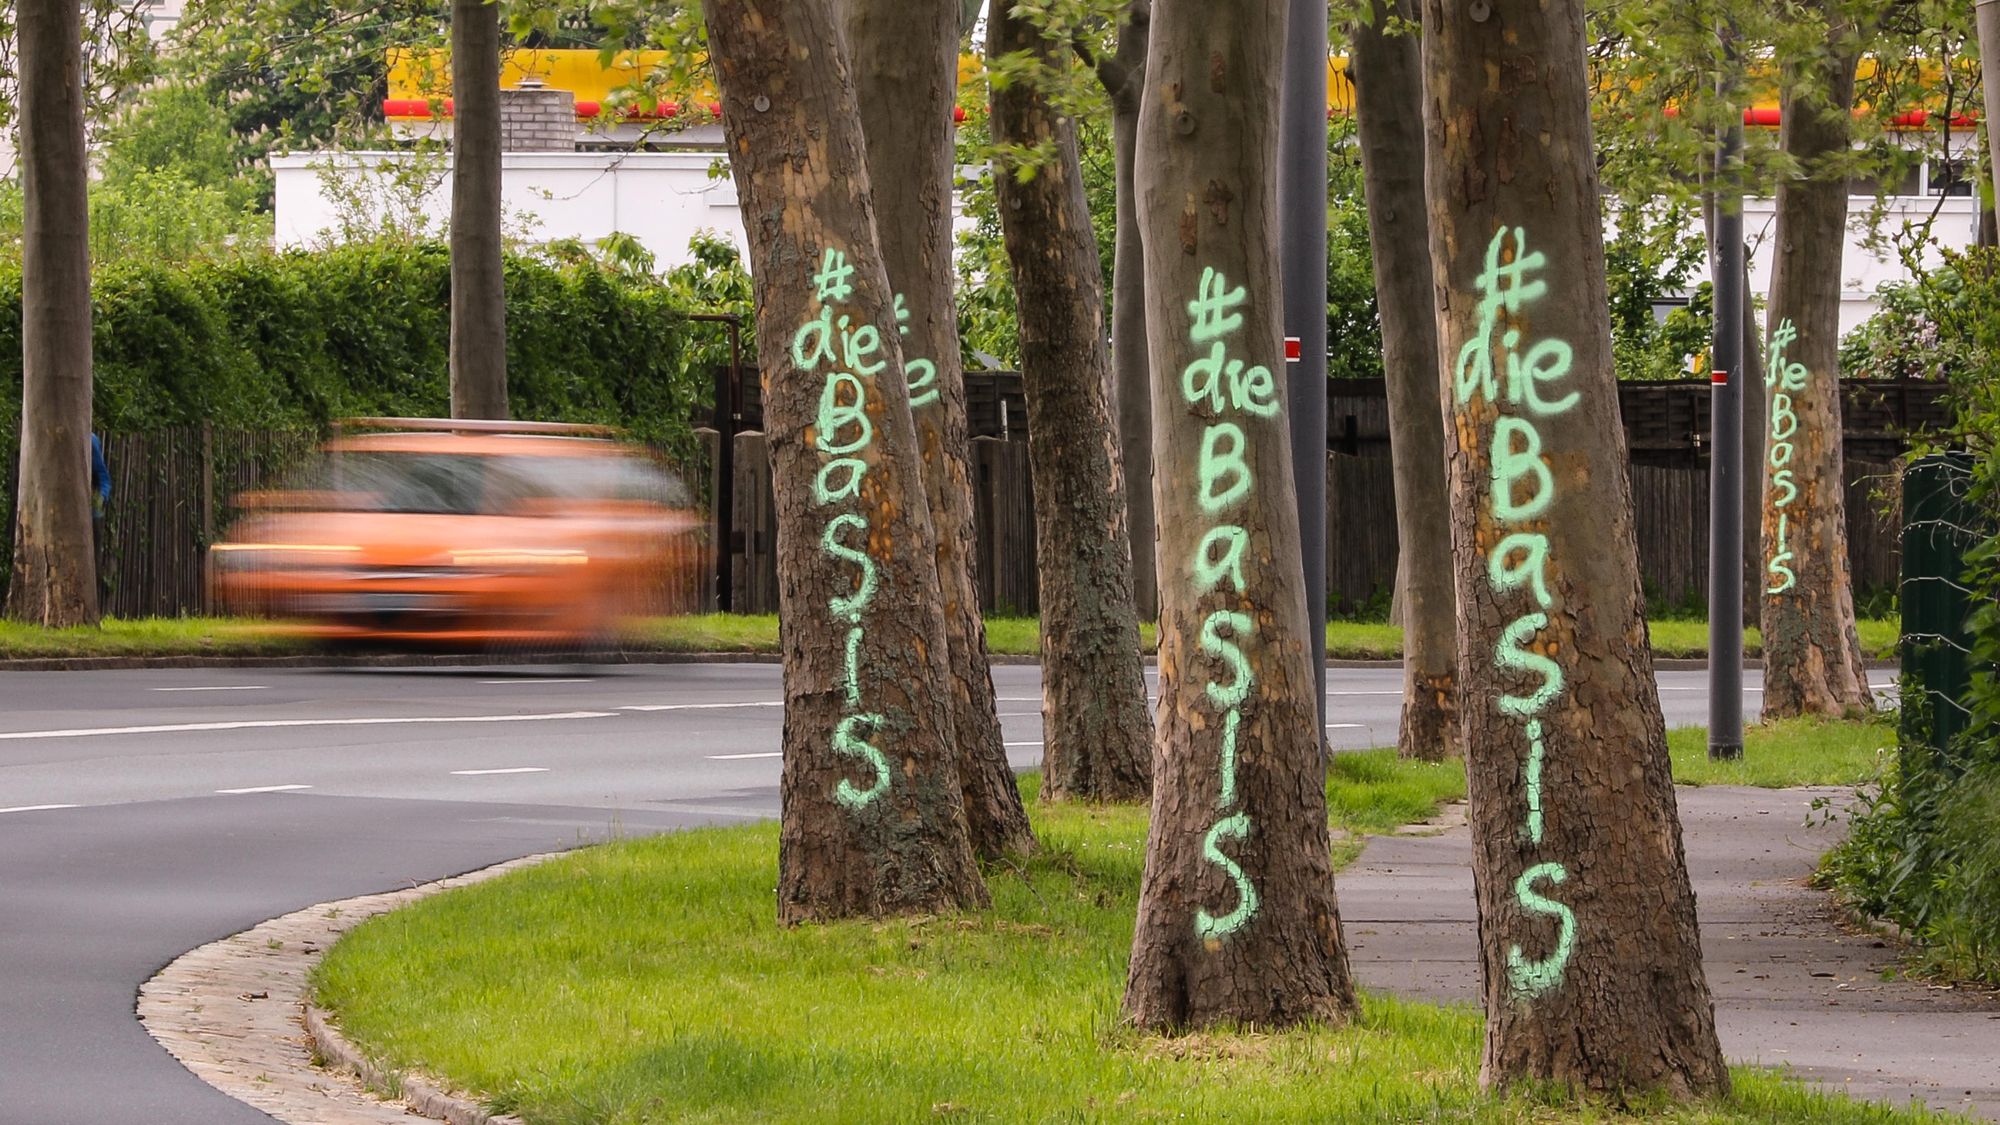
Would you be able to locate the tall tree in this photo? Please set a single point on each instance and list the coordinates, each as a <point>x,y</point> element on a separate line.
<point>1588,944</point>
<point>478,276</point>
<point>1812,655</point>
<point>873,821</point>
<point>905,55</point>
<point>1387,69</point>
<point>1096,733</point>
<point>1123,74</point>
<point>55,567</point>
<point>1237,917</point>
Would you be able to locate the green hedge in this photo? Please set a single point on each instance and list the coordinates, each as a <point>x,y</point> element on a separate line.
<point>294,340</point>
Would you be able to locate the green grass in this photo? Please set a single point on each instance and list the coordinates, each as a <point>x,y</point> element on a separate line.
<point>151,636</point>
<point>1790,752</point>
<point>758,633</point>
<point>647,981</point>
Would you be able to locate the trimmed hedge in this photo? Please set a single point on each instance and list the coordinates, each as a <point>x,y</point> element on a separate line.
<point>295,340</point>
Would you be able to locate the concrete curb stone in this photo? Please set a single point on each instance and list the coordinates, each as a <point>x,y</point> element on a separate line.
<point>235,1013</point>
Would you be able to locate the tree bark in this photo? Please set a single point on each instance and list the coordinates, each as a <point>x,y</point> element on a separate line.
<point>478,279</point>
<point>1388,90</point>
<point>1131,375</point>
<point>55,568</point>
<point>905,56</point>
<point>1590,954</point>
<point>1812,655</point>
<point>1753,459</point>
<point>1237,917</point>
<point>873,821</point>
<point>1096,733</point>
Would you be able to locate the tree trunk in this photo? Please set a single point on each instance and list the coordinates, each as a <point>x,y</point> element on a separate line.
<point>1096,733</point>
<point>873,821</point>
<point>1131,375</point>
<point>478,279</point>
<point>1588,945</point>
<point>55,569</point>
<point>1753,459</point>
<point>1388,75</point>
<point>1812,656</point>
<point>1237,918</point>
<point>905,57</point>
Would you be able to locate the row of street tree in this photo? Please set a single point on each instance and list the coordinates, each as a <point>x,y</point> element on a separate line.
<point>1163,463</point>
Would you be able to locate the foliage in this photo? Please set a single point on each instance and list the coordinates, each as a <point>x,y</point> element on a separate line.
<point>117,55</point>
<point>304,74</point>
<point>1906,337</point>
<point>1648,261</point>
<point>294,340</point>
<point>1924,850</point>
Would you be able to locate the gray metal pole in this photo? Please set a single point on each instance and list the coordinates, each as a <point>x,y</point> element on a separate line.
<point>1986,16</point>
<point>1302,255</point>
<point>1725,458</point>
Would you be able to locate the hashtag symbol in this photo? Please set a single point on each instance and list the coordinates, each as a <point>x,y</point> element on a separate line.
<point>902,316</point>
<point>1783,336</point>
<point>1211,306</point>
<point>1505,284</point>
<point>831,282</point>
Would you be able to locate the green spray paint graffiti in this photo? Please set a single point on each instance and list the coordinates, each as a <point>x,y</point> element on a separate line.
<point>922,373</point>
<point>1782,380</point>
<point>843,432</point>
<point>1218,385</point>
<point>1521,490</point>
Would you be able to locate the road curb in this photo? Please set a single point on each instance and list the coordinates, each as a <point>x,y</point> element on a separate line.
<point>235,1013</point>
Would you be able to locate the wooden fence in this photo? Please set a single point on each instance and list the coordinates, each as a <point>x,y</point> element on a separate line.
<point>172,492</point>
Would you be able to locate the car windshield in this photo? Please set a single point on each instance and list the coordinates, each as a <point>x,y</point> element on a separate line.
<point>486,484</point>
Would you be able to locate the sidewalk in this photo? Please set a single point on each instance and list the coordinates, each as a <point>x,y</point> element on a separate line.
<point>1791,987</point>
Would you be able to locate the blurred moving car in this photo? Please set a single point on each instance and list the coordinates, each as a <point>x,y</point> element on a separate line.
<point>464,533</point>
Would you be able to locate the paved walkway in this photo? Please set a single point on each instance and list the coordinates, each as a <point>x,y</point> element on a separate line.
<point>1791,986</point>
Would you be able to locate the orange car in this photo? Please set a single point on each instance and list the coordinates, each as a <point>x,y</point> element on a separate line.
<point>465,533</point>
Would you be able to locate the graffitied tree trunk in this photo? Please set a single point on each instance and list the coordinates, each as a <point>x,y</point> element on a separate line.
<point>1096,733</point>
<point>1812,655</point>
<point>872,819</point>
<point>1388,92</point>
<point>905,58</point>
<point>55,571</point>
<point>1588,946</point>
<point>1124,79</point>
<point>478,281</point>
<point>1237,917</point>
<point>1753,459</point>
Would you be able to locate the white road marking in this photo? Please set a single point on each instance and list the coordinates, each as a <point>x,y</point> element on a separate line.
<point>240,687</point>
<point>1345,726</point>
<point>38,808</point>
<point>741,757</point>
<point>537,682</point>
<point>1018,714</point>
<point>263,724</point>
<point>515,769</point>
<point>265,789</point>
<point>1397,691</point>
<point>1037,743</point>
<point>701,706</point>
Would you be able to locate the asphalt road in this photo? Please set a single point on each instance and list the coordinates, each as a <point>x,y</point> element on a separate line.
<point>143,813</point>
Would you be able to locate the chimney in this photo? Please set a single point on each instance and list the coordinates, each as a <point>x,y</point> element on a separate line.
<point>534,118</point>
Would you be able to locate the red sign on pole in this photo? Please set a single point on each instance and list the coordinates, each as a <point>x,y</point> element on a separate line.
<point>1719,378</point>
<point>1291,349</point>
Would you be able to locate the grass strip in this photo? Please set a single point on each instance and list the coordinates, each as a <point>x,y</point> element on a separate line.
<point>742,633</point>
<point>647,981</point>
<point>1790,752</point>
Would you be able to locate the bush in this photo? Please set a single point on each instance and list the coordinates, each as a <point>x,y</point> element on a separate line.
<point>1925,850</point>
<point>295,340</point>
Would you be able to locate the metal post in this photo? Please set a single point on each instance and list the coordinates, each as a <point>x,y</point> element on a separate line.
<point>1725,456</point>
<point>1302,236</point>
<point>1986,18</point>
